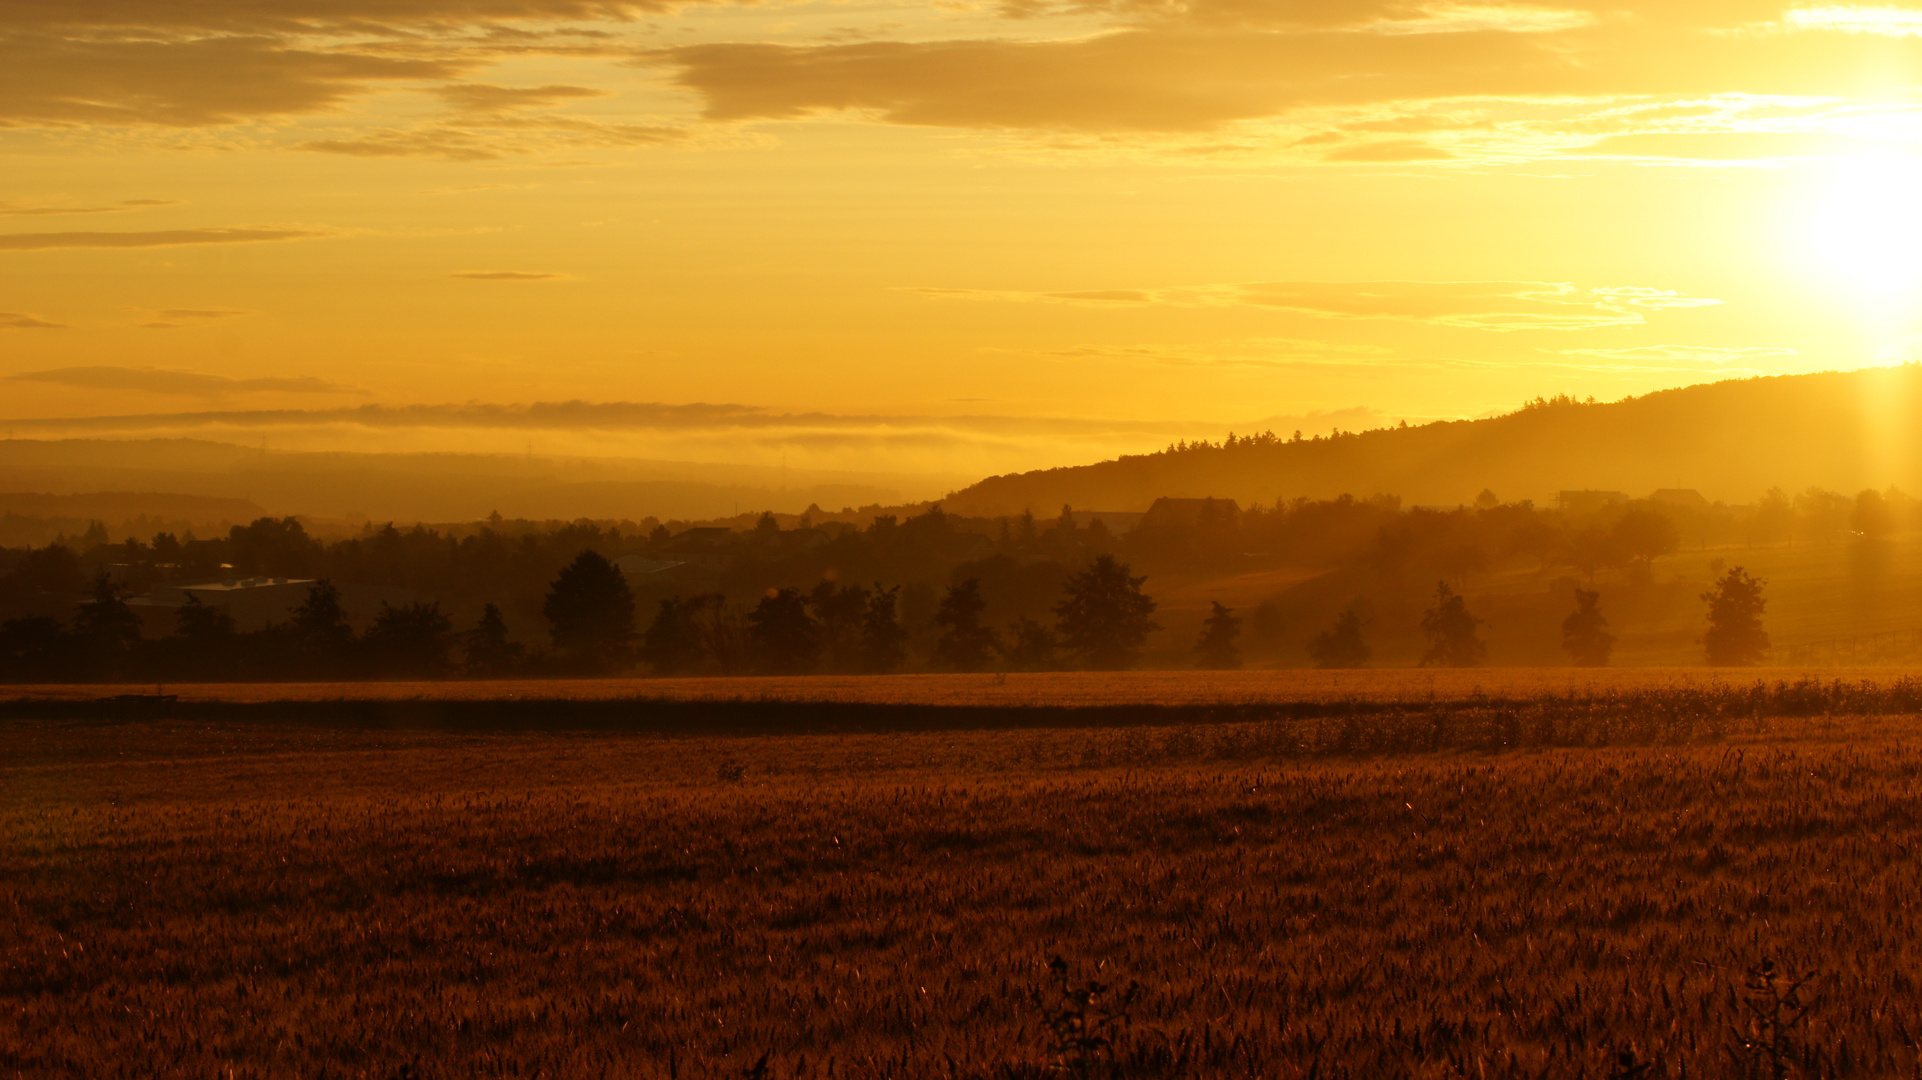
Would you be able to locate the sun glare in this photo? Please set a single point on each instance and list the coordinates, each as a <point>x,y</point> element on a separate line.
<point>1867,231</point>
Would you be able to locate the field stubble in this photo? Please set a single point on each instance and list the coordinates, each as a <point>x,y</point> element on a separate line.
<point>193,899</point>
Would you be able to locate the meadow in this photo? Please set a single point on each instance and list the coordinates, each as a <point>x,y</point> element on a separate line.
<point>1584,889</point>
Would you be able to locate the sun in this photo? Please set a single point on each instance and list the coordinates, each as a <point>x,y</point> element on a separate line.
<point>1867,231</point>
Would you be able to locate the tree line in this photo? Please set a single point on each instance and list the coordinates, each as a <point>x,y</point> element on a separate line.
<point>948,593</point>
<point>1733,635</point>
<point>1103,621</point>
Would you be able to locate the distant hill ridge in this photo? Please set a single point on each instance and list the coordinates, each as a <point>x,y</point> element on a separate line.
<point>1730,440</point>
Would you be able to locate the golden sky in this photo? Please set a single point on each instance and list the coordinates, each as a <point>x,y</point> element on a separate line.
<point>958,236</point>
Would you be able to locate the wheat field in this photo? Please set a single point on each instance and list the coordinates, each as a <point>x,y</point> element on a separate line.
<point>267,900</point>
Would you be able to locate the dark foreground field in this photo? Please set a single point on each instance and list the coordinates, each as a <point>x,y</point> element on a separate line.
<point>254,898</point>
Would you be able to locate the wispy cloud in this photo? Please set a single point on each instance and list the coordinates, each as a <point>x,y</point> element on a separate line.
<point>175,318</point>
<point>490,138</point>
<point>158,238</point>
<point>14,320</point>
<point>487,98</point>
<point>124,206</point>
<point>508,275</point>
<point>1240,353</point>
<point>182,383</point>
<point>1479,305</point>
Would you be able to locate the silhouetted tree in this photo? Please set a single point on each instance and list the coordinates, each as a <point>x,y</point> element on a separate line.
<point>1452,641</point>
<point>1031,647</point>
<point>722,632</point>
<point>1104,619</point>
<point>842,614</point>
<point>884,642</point>
<point>965,644</point>
<point>485,650</point>
<point>784,639</point>
<point>1217,648</point>
<point>201,625</point>
<point>767,530</point>
<point>1774,517</point>
<point>1341,645</point>
<point>592,612</point>
<point>1643,534</point>
<point>1585,633</point>
<point>319,632</point>
<point>672,643</point>
<point>274,546</point>
<point>411,640</point>
<point>1589,549</point>
<point>1872,518</point>
<point>203,643</point>
<point>1735,637</point>
<point>105,628</point>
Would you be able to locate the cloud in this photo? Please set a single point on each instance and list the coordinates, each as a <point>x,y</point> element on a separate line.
<point>202,313</point>
<point>450,144</point>
<point>1854,19</point>
<point>1239,74</point>
<point>485,98</point>
<point>160,238</point>
<point>15,210</point>
<point>195,63</point>
<point>1267,74</point>
<point>306,15</point>
<point>184,383</point>
<point>1733,145</point>
<point>52,80</point>
<point>14,320</point>
<point>507,275</point>
<point>495,137</point>
<point>175,318</point>
<point>1132,296</point>
<point>588,416</point>
<point>1479,305</point>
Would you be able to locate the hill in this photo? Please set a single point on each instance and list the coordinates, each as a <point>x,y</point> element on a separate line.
<point>1730,440</point>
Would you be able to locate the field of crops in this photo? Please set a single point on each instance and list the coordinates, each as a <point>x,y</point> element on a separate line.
<point>259,899</point>
<point>1066,689</point>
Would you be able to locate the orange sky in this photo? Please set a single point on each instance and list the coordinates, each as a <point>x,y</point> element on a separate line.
<point>954,237</point>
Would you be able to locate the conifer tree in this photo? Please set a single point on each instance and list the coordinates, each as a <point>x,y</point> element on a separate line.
<point>1217,648</point>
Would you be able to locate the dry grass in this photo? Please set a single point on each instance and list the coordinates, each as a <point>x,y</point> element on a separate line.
<point>192,899</point>
<point>1068,689</point>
